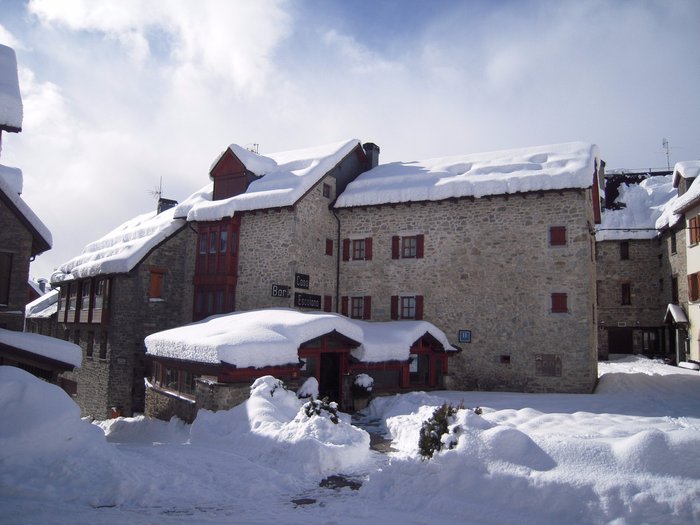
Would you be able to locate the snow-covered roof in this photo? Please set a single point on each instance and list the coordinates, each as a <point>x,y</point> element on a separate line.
<point>42,307</point>
<point>554,167</point>
<point>124,247</point>
<point>676,313</point>
<point>43,345</point>
<point>10,98</point>
<point>272,337</point>
<point>688,169</point>
<point>10,183</point>
<point>675,209</point>
<point>644,204</point>
<point>285,178</point>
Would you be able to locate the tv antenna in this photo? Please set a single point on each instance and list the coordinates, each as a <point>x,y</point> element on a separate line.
<point>158,192</point>
<point>665,145</point>
<point>254,148</point>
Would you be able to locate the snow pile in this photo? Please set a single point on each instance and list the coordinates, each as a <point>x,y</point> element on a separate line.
<point>42,307</point>
<point>43,345</point>
<point>141,429</point>
<point>10,98</point>
<point>10,182</point>
<point>271,337</point>
<point>124,247</point>
<point>46,450</point>
<point>554,167</point>
<point>285,178</point>
<point>644,205</point>
<point>273,427</point>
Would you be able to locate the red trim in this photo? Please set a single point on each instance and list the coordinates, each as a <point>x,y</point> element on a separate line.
<point>420,240</point>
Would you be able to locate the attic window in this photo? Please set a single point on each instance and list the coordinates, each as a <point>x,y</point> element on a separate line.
<point>327,190</point>
<point>155,285</point>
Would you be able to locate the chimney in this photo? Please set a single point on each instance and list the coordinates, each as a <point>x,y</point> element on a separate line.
<point>42,285</point>
<point>372,152</point>
<point>165,204</point>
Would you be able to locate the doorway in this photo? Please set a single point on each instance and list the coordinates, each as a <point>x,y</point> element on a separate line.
<point>329,376</point>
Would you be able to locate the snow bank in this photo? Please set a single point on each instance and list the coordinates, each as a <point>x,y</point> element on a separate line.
<point>644,204</point>
<point>43,345</point>
<point>141,429</point>
<point>46,450</point>
<point>555,167</point>
<point>271,337</point>
<point>273,428</point>
<point>9,184</point>
<point>124,247</point>
<point>285,178</point>
<point>10,97</point>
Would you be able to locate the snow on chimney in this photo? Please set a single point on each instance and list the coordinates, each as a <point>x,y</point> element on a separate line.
<point>372,152</point>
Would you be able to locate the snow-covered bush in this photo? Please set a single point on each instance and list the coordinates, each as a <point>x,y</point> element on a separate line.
<point>362,385</point>
<point>432,431</point>
<point>322,408</point>
<point>309,389</point>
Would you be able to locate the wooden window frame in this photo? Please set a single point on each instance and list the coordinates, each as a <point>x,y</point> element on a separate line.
<point>559,302</point>
<point>329,246</point>
<point>357,249</point>
<point>401,307</point>
<point>357,307</point>
<point>693,287</point>
<point>557,235</point>
<point>401,246</point>
<point>156,284</point>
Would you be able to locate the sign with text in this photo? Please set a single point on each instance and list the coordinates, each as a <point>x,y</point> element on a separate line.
<point>279,290</point>
<point>305,300</point>
<point>301,280</point>
<point>465,336</point>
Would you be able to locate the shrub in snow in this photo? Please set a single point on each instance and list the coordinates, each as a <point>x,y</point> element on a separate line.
<point>322,408</point>
<point>309,389</point>
<point>362,385</point>
<point>431,433</point>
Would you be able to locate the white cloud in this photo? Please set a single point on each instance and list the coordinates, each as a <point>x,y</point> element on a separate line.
<point>8,39</point>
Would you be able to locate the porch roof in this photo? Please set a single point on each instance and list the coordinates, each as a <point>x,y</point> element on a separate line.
<point>43,347</point>
<point>272,337</point>
<point>675,314</point>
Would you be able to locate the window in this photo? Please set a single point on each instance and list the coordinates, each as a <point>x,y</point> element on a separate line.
<point>85,291</point>
<point>99,293</point>
<point>626,293</point>
<point>559,303</point>
<point>357,249</point>
<point>203,243</point>
<point>327,303</point>
<point>407,307</point>
<point>557,236</point>
<point>674,290</point>
<point>357,307</point>
<point>327,190</point>
<point>693,289</point>
<point>407,247</point>
<point>223,241</point>
<point>5,273</point>
<point>329,246</point>
<point>624,250</point>
<point>694,230</point>
<point>155,285</point>
<point>212,242</point>
<point>72,296</point>
<point>674,248</point>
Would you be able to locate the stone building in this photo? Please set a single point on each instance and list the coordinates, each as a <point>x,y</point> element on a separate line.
<point>132,282</point>
<point>639,266</point>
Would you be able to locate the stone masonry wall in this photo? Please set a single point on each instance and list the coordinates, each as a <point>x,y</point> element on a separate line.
<point>489,268</point>
<point>17,240</point>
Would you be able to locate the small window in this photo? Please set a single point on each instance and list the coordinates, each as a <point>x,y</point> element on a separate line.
<point>559,303</point>
<point>624,250</point>
<point>5,273</point>
<point>557,236</point>
<point>674,248</point>
<point>505,359</point>
<point>357,307</point>
<point>327,190</point>
<point>223,241</point>
<point>626,294</point>
<point>674,290</point>
<point>155,285</point>
<point>212,242</point>
<point>407,247</point>
<point>693,288</point>
<point>358,249</point>
<point>203,243</point>
<point>329,246</point>
<point>99,293</point>
<point>85,291</point>
<point>408,308</point>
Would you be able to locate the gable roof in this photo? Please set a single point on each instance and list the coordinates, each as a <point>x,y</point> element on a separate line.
<point>673,213</point>
<point>272,337</point>
<point>685,170</point>
<point>285,178</point>
<point>124,247</point>
<point>555,167</point>
<point>10,183</point>
<point>43,346</point>
<point>43,306</point>
<point>10,98</point>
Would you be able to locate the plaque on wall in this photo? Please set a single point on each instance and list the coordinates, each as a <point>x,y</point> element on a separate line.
<point>301,280</point>
<point>305,300</point>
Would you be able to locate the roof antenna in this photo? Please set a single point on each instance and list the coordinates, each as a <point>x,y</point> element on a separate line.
<point>254,148</point>
<point>666,146</point>
<point>157,192</point>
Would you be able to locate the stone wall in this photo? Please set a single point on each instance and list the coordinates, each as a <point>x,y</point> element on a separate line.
<point>164,405</point>
<point>488,267</point>
<point>16,239</point>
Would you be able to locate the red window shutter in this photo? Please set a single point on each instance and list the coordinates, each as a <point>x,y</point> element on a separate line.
<point>420,239</point>
<point>395,247</point>
<point>367,308</point>
<point>329,246</point>
<point>557,236</point>
<point>327,303</point>
<point>346,249</point>
<point>394,306</point>
<point>693,289</point>
<point>368,249</point>
<point>559,303</point>
<point>155,288</point>
<point>344,305</point>
<point>419,307</point>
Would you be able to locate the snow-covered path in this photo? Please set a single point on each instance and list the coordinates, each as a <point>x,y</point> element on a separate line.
<point>625,455</point>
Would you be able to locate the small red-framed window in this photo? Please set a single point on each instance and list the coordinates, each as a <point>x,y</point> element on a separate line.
<point>329,246</point>
<point>155,283</point>
<point>557,236</point>
<point>560,303</point>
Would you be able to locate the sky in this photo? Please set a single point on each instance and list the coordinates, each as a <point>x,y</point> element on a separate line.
<point>119,95</point>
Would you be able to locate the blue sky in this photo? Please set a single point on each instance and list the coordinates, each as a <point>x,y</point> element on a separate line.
<point>120,93</point>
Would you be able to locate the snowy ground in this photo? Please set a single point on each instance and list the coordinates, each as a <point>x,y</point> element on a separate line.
<point>626,454</point>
